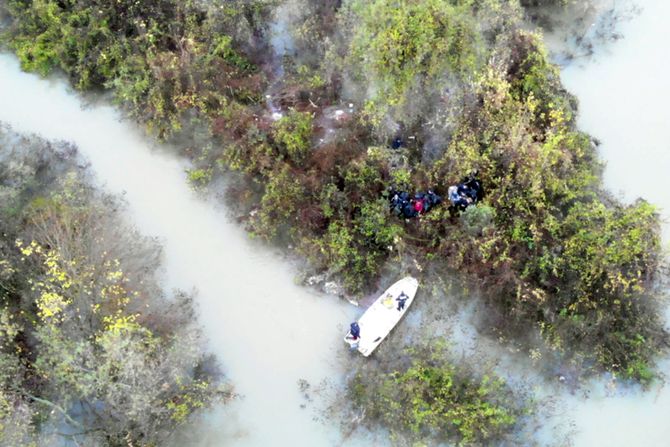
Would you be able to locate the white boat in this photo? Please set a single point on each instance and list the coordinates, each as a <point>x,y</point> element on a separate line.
<point>383,315</point>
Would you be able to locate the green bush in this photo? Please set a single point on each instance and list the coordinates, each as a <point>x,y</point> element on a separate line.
<point>574,261</point>
<point>293,133</point>
<point>432,401</point>
<point>160,57</point>
<point>397,49</point>
<point>357,253</point>
<point>476,218</point>
<point>199,178</point>
<point>280,202</point>
<point>87,341</point>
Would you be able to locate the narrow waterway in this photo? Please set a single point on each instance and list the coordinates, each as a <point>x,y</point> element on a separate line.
<point>624,93</point>
<point>266,331</point>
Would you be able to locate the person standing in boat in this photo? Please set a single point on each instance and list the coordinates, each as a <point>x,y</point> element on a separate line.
<point>401,300</point>
<point>355,331</point>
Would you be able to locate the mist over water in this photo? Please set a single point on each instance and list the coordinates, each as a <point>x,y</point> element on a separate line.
<point>624,93</point>
<point>266,331</point>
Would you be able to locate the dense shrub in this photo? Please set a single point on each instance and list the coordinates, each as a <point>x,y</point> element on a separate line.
<point>398,50</point>
<point>555,234</point>
<point>431,400</point>
<point>161,57</point>
<point>293,133</point>
<point>88,343</point>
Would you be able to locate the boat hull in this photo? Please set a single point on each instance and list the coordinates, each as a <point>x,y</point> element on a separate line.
<point>383,315</point>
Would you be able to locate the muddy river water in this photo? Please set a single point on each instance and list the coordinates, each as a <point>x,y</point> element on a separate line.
<point>624,94</point>
<point>268,332</point>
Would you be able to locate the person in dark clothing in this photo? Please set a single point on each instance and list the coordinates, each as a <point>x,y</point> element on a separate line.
<point>408,210</point>
<point>398,200</point>
<point>402,205</point>
<point>429,200</point>
<point>458,200</point>
<point>433,199</point>
<point>401,300</point>
<point>474,187</point>
<point>396,204</point>
<point>466,193</point>
<point>355,330</point>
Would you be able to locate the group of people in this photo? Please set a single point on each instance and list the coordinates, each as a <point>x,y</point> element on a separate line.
<point>462,195</point>
<point>403,204</point>
<point>466,193</point>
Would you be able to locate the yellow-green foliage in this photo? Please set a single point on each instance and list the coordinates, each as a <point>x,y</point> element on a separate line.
<point>252,154</point>
<point>432,400</point>
<point>610,250</point>
<point>82,324</point>
<point>400,48</point>
<point>575,263</point>
<point>199,178</point>
<point>89,338</point>
<point>293,134</point>
<point>160,57</point>
<point>357,253</point>
<point>280,200</point>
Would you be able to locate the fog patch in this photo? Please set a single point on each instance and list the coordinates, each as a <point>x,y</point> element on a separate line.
<point>581,29</point>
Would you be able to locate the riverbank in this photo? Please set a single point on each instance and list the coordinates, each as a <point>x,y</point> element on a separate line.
<point>268,332</point>
<point>623,92</point>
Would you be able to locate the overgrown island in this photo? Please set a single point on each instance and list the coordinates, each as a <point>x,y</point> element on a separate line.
<point>303,100</point>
